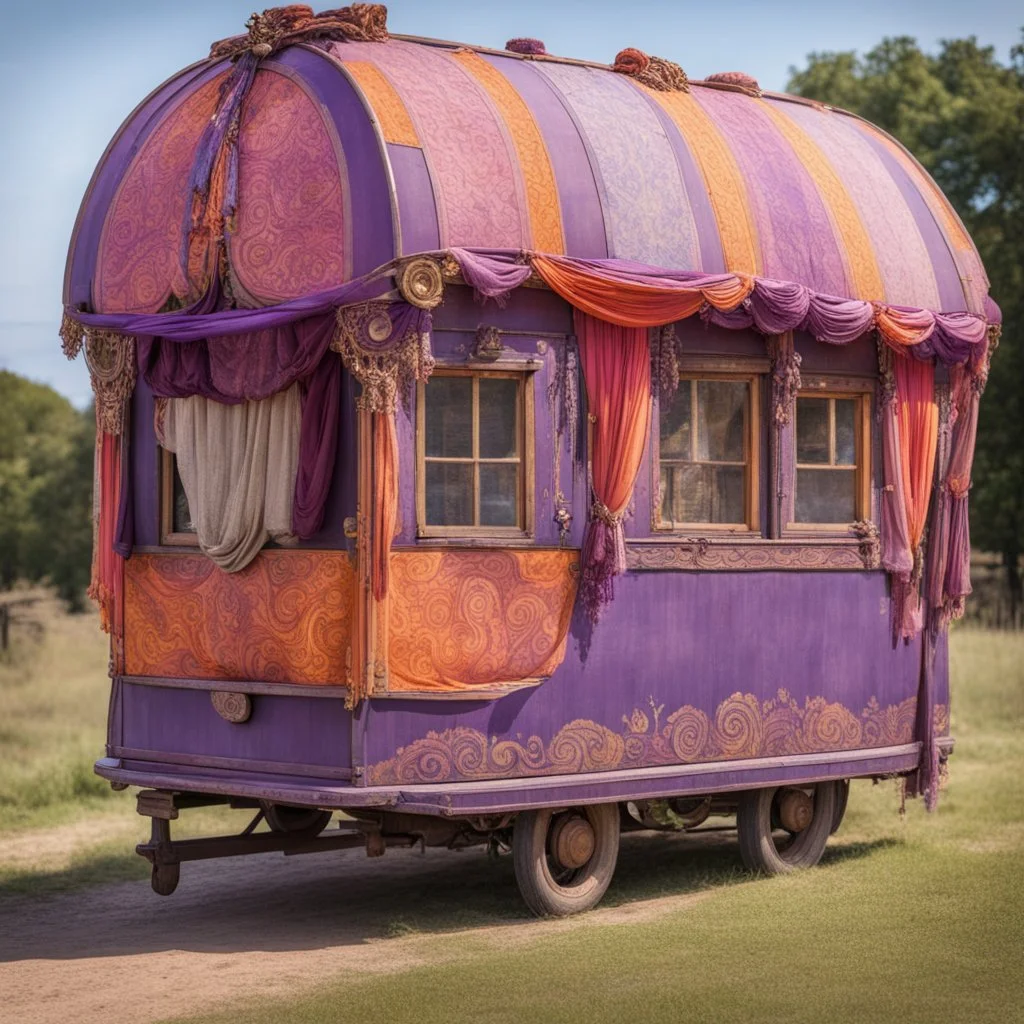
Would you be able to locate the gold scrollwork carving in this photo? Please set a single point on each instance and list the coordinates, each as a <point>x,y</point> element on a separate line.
<point>700,553</point>
<point>112,372</point>
<point>741,726</point>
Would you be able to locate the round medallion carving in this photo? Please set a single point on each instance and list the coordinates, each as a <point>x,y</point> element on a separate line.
<point>379,328</point>
<point>421,283</point>
<point>232,707</point>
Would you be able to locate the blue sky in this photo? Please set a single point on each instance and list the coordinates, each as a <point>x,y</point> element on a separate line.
<point>71,71</point>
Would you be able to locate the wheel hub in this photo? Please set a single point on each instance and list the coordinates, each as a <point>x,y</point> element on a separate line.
<point>573,841</point>
<point>796,809</point>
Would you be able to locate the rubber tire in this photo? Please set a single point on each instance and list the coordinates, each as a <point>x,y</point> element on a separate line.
<point>754,827</point>
<point>284,818</point>
<point>164,878</point>
<point>842,798</point>
<point>542,894</point>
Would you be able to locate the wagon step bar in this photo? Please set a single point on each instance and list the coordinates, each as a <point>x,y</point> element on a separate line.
<point>166,855</point>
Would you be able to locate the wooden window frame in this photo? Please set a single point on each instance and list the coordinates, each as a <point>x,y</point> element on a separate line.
<point>526,438</point>
<point>168,536</point>
<point>824,386</point>
<point>752,456</point>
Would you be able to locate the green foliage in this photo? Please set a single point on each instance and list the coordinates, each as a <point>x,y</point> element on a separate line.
<point>46,458</point>
<point>961,113</point>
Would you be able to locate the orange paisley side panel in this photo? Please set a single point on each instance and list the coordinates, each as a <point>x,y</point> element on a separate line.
<point>463,619</point>
<point>285,618</point>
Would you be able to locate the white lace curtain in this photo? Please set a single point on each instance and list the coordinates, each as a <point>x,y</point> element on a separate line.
<point>237,464</point>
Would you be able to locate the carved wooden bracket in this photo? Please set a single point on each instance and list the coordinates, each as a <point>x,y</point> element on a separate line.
<point>700,553</point>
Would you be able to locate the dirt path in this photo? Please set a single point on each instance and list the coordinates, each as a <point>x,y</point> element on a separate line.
<point>264,926</point>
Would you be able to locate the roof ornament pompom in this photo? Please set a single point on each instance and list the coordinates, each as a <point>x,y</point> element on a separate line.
<point>526,46</point>
<point>654,72</point>
<point>738,79</point>
<point>278,27</point>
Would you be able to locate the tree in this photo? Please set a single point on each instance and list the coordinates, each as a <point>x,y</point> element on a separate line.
<point>46,458</point>
<point>961,113</point>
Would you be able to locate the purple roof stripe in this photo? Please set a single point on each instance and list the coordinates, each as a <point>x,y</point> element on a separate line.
<point>952,297</point>
<point>579,188</point>
<point>798,240</point>
<point>712,260</point>
<point>368,202</point>
<point>417,208</point>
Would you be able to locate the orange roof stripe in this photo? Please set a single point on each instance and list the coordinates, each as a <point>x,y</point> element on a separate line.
<point>533,159</point>
<point>722,178</point>
<point>387,105</point>
<point>855,242</point>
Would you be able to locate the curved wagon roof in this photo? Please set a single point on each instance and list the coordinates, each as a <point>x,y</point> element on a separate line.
<point>353,153</point>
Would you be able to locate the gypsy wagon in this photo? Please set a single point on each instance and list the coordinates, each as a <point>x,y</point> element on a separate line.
<point>505,448</point>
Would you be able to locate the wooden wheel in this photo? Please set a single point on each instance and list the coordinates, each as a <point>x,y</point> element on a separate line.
<point>842,798</point>
<point>164,878</point>
<point>564,860</point>
<point>283,818</point>
<point>786,828</point>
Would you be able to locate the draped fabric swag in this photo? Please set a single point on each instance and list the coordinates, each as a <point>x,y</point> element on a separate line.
<point>238,465</point>
<point>617,374</point>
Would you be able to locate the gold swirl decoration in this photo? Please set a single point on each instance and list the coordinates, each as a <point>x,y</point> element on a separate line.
<point>421,282</point>
<point>285,618</point>
<point>465,619</point>
<point>742,726</point>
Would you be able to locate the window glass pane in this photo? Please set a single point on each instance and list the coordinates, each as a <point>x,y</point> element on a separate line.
<point>826,495</point>
<point>182,515</point>
<point>720,408</point>
<point>449,417</point>
<point>692,493</point>
<point>498,490</point>
<point>812,431</point>
<point>498,400</point>
<point>449,494</point>
<point>846,445</point>
<point>674,421</point>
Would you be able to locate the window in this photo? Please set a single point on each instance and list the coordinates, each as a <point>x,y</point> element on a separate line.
<point>832,444</point>
<point>708,453</point>
<point>474,442</point>
<point>176,526</point>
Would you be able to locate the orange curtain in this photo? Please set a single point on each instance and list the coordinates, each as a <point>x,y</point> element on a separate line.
<point>616,299</point>
<point>918,416</point>
<point>617,373</point>
<point>385,498</point>
<point>107,584</point>
<point>910,431</point>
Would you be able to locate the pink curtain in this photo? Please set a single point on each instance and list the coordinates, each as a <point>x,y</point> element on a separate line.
<point>949,555</point>
<point>617,374</point>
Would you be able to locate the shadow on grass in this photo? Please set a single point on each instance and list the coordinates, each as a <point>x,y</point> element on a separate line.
<point>272,903</point>
<point>650,866</point>
<point>89,870</point>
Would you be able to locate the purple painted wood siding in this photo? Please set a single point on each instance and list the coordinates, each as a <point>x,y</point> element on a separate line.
<point>289,729</point>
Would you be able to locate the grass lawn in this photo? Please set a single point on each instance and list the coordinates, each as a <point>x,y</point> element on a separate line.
<point>61,825</point>
<point>919,918</point>
<point>909,919</point>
